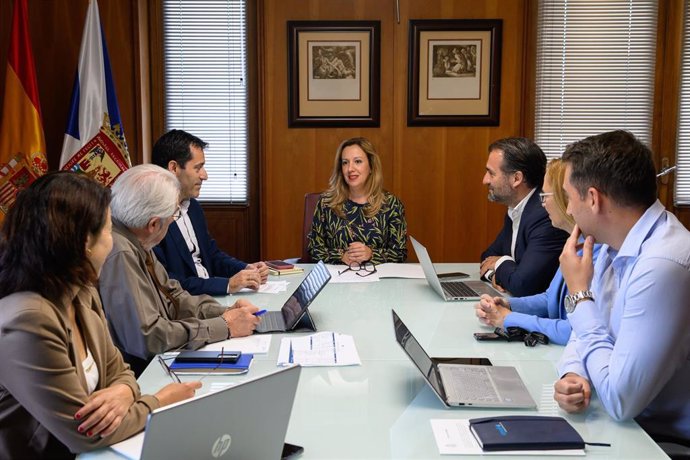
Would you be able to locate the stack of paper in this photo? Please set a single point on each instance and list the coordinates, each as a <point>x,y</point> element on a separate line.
<point>320,349</point>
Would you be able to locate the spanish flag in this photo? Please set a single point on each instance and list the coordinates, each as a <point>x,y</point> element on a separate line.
<point>22,143</point>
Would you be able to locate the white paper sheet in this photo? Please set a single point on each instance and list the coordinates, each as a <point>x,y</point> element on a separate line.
<point>270,287</point>
<point>453,437</point>
<point>391,270</point>
<point>257,344</point>
<point>320,349</point>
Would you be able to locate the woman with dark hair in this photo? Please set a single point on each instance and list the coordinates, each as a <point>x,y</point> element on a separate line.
<point>356,220</point>
<point>64,387</point>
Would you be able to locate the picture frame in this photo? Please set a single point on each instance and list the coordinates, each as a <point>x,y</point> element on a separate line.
<point>454,72</point>
<point>333,73</point>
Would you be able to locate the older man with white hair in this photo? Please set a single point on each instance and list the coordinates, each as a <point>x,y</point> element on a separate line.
<point>148,312</point>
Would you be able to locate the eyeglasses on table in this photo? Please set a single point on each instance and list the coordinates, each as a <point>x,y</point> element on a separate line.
<point>362,269</point>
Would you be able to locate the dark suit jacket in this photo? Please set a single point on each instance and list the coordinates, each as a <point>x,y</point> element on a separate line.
<point>537,248</point>
<point>172,252</point>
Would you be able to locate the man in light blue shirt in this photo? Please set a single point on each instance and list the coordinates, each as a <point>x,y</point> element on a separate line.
<point>629,310</point>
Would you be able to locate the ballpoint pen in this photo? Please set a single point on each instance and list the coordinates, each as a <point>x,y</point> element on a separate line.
<point>260,312</point>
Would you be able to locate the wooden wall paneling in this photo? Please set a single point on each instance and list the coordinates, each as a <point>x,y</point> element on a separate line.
<point>298,161</point>
<point>437,171</point>
<point>447,206</point>
<point>668,74</point>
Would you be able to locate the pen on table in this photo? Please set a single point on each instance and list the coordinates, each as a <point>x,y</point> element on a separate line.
<point>260,312</point>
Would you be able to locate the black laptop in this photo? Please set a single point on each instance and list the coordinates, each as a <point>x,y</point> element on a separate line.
<point>294,315</point>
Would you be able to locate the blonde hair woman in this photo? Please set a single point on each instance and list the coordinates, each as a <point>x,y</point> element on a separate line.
<point>543,312</point>
<point>356,220</point>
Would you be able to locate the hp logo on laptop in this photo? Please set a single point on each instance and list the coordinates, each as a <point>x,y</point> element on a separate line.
<point>221,446</point>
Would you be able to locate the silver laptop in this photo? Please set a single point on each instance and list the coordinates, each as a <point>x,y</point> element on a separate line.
<point>474,383</point>
<point>248,420</point>
<point>294,313</point>
<point>449,289</point>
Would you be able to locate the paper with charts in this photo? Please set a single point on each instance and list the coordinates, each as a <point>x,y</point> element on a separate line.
<point>320,349</point>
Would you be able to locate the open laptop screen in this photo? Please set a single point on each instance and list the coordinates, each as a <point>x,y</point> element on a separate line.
<point>417,354</point>
<point>305,294</point>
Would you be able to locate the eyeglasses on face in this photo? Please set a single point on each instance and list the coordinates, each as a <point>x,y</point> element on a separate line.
<point>367,267</point>
<point>543,195</point>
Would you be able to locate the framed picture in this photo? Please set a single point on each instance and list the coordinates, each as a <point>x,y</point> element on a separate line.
<point>333,73</point>
<point>454,72</point>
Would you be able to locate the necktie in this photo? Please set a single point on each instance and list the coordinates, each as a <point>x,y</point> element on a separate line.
<point>150,267</point>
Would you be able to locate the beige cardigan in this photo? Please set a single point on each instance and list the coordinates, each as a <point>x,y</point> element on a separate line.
<point>42,382</point>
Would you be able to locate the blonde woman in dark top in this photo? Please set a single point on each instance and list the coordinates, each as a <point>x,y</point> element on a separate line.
<point>356,220</point>
<point>64,387</point>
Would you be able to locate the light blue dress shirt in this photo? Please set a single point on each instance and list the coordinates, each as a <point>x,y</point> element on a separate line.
<point>633,341</point>
<point>544,312</point>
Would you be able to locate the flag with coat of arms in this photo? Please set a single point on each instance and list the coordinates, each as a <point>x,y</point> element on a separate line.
<point>22,142</point>
<point>94,141</point>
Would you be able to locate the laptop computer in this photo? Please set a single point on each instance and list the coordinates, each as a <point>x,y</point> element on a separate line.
<point>465,381</point>
<point>248,420</point>
<point>294,313</point>
<point>448,289</point>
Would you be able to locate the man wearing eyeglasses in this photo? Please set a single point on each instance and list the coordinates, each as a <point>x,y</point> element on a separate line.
<point>188,251</point>
<point>149,313</point>
<point>524,257</point>
<point>628,308</point>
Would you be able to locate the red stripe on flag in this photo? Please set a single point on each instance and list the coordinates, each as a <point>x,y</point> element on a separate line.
<point>20,55</point>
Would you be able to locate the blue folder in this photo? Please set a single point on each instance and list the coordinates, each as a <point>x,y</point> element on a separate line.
<point>240,367</point>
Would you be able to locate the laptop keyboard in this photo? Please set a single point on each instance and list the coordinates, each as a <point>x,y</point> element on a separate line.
<point>467,384</point>
<point>458,289</point>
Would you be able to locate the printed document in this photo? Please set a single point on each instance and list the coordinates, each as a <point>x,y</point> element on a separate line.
<point>320,349</point>
<point>258,343</point>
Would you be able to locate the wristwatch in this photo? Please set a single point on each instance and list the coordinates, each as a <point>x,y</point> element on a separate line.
<point>571,300</point>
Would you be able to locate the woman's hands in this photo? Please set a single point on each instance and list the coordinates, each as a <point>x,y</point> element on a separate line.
<point>357,252</point>
<point>176,392</point>
<point>104,411</point>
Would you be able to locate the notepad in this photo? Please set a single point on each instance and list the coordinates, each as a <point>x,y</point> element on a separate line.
<point>525,432</point>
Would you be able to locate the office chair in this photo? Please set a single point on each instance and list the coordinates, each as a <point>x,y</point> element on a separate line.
<point>310,200</point>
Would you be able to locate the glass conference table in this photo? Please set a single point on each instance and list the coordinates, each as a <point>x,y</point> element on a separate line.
<point>382,408</point>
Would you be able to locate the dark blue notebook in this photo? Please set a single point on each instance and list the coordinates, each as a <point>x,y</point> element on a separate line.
<point>239,367</point>
<point>525,432</point>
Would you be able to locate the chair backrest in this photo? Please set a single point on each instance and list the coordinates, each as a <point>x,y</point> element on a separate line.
<point>310,200</point>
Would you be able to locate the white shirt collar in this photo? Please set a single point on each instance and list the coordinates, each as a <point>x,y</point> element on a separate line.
<point>516,212</point>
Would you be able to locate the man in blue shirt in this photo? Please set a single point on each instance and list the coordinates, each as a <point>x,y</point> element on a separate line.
<point>188,252</point>
<point>629,308</point>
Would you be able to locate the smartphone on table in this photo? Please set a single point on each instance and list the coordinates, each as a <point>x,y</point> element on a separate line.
<point>208,356</point>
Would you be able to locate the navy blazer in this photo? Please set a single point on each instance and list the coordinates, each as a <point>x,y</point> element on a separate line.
<point>537,248</point>
<point>173,253</point>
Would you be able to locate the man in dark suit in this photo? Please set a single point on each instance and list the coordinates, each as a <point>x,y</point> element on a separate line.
<point>188,252</point>
<point>524,257</point>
